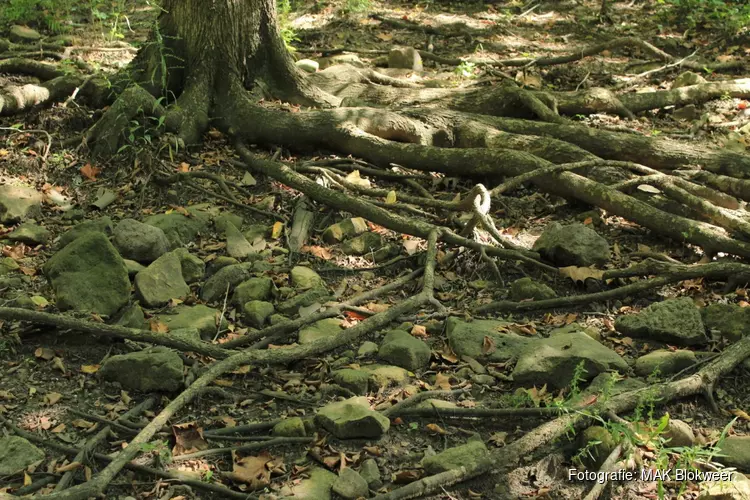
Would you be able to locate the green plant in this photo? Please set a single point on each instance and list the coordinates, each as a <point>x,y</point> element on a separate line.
<point>465,69</point>
<point>47,13</point>
<point>356,6</point>
<point>287,32</point>
<point>726,17</point>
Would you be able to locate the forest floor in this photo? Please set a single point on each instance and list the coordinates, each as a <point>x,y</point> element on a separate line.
<point>54,385</point>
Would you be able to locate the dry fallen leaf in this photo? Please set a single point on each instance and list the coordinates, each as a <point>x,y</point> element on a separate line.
<point>158,326</point>
<point>90,369</point>
<point>90,172</point>
<point>581,273</point>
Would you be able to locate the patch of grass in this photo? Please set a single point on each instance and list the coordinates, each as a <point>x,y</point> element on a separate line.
<point>728,18</point>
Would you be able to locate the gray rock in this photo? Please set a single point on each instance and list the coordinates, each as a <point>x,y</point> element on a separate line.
<point>405,58</point>
<point>17,453</point>
<point>140,242</point>
<point>180,229</point>
<point>230,276</point>
<point>356,381</point>
<point>347,228</point>
<point>89,275</point>
<point>384,376</point>
<point>471,455</point>
<point>730,320</point>
<point>370,472</point>
<point>553,360</point>
<point>304,278</point>
<point>256,231</point>
<point>200,317</point>
<point>686,113</point>
<point>675,321</point>
<point>154,369</point>
<point>679,434</point>
<point>307,65</point>
<point>736,451</point>
<point>193,268</point>
<point>290,427</point>
<point>362,244</point>
<point>352,419</point>
<point>237,246</point>
<point>527,288</point>
<point>30,233</point>
<point>385,252</point>
<point>131,317</point>
<point>23,34</point>
<point>401,349</point>
<point>161,281</point>
<point>468,339</point>
<point>665,361</point>
<point>572,245</point>
<point>307,298</point>
<point>350,485</point>
<point>18,203</point>
<point>252,289</point>
<point>687,78</point>
<point>101,225</point>
<point>367,349</point>
<point>319,330</point>
<point>440,404</point>
<point>257,312</point>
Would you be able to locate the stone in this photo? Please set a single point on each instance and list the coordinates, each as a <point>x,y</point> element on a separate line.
<point>527,288</point>
<point>736,452</point>
<point>385,252</point>
<point>577,327</point>
<point>731,321</point>
<point>317,486</point>
<point>180,229</point>
<point>674,321</point>
<point>553,360</point>
<point>17,453</point>
<point>30,233</point>
<point>257,312</point>
<point>252,289</point>
<point>355,380</point>
<point>154,369</point>
<point>664,361</point>
<point>384,376</point>
<point>101,225</point>
<point>88,275</point>
<point>319,330</point>
<point>350,485</point>
<point>440,404</point>
<point>352,419</point>
<point>405,58</point>
<point>193,268</point>
<point>140,242</point>
<point>687,78</point>
<point>572,245</point>
<point>362,244</point>
<point>133,267</point>
<point>200,317</point>
<point>595,454</point>
<point>686,113</point>
<point>468,339</point>
<point>131,317</point>
<point>348,228</point>
<point>307,298</point>
<point>23,34</point>
<point>736,489</point>
<point>18,203</point>
<point>370,472</point>
<point>679,434</point>
<point>305,278</point>
<point>290,427</point>
<point>237,246</point>
<point>226,217</point>
<point>215,287</point>
<point>256,231</point>
<point>307,65</point>
<point>8,265</point>
<point>402,349</point>
<point>471,455</point>
<point>367,349</point>
<point>219,263</point>
<point>161,281</point>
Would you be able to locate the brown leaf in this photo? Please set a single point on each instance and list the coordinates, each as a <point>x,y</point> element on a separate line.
<point>44,353</point>
<point>419,331</point>
<point>318,251</point>
<point>252,471</point>
<point>82,424</point>
<point>406,476</point>
<point>488,344</point>
<point>52,398</point>
<point>158,326</point>
<point>581,273</point>
<point>90,369</point>
<point>188,439</point>
<point>436,429</point>
<point>740,414</point>
<point>183,167</point>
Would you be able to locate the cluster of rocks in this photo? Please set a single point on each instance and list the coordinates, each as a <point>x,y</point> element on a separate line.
<point>356,239</point>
